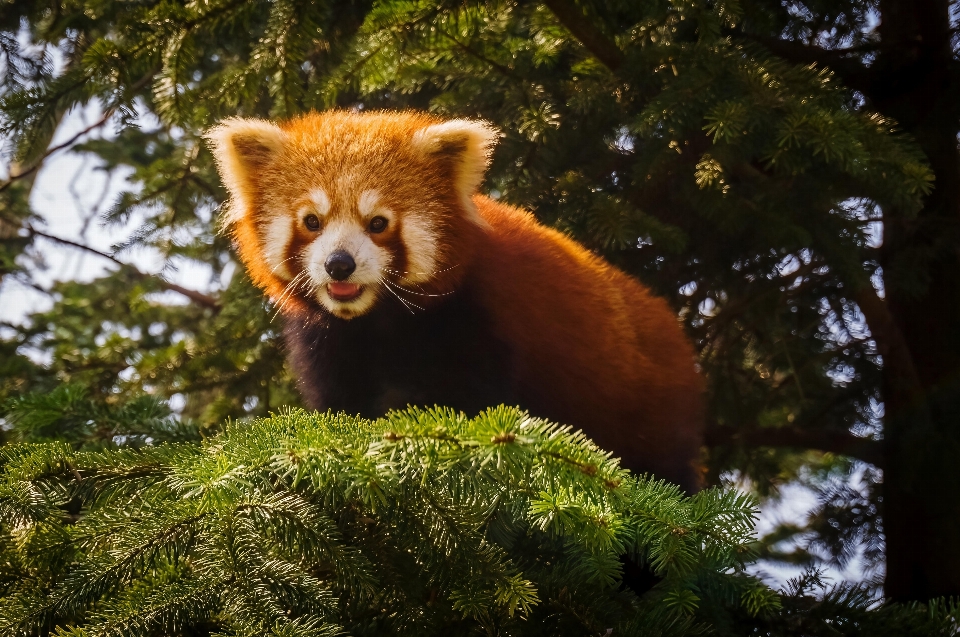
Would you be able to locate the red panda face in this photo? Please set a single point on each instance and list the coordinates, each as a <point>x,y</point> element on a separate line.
<point>343,210</point>
<point>343,244</point>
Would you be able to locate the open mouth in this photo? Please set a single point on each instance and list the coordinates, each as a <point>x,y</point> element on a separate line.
<point>340,291</point>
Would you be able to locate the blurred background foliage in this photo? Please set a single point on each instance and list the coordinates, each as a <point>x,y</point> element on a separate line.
<point>751,161</point>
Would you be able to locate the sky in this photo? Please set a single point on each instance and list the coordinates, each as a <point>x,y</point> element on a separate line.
<point>69,195</point>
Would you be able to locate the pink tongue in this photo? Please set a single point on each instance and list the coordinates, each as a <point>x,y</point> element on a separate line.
<point>343,289</point>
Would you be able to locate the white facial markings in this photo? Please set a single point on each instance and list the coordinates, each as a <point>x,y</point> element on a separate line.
<point>420,239</point>
<point>369,207</point>
<point>351,234</point>
<point>276,243</point>
<point>320,201</point>
<point>367,203</point>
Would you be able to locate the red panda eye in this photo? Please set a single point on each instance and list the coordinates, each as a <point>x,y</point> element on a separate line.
<point>312,222</point>
<point>378,224</point>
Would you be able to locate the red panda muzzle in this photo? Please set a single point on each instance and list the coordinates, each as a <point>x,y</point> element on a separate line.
<point>343,291</point>
<point>339,265</point>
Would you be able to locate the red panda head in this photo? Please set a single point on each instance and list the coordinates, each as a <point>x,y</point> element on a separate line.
<point>340,209</point>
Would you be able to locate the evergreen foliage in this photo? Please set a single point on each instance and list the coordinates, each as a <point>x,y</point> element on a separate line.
<point>739,157</point>
<point>421,523</point>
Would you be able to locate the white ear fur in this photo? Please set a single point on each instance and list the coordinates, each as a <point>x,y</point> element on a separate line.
<point>241,147</point>
<point>468,144</point>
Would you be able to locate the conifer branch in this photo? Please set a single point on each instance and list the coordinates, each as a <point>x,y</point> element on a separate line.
<point>837,442</point>
<point>891,343</point>
<point>589,35</point>
<point>75,138</point>
<point>54,149</point>
<point>197,297</point>
<point>853,73</point>
<point>356,526</point>
<point>504,70</point>
<point>26,282</point>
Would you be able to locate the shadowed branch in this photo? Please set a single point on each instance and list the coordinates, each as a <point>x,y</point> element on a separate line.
<point>589,35</point>
<point>838,442</point>
<point>197,297</point>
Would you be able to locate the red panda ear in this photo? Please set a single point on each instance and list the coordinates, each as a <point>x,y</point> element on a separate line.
<point>242,148</point>
<point>467,145</point>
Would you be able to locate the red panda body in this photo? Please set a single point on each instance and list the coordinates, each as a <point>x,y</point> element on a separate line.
<point>399,285</point>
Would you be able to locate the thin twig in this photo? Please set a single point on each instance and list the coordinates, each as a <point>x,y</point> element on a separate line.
<point>136,86</point>
<point>70,142</point>
<point>197,297</point>
<point>504,70</point>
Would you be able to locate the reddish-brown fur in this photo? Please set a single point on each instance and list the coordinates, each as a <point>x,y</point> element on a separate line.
<point>592,339</point>
<point>589,345</point>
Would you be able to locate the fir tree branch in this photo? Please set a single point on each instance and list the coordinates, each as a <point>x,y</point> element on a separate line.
<point>195,296</point>
<point>26,282</point>
<point>589,35</point>
<point>54,149</point>
<point>136,86</point>
<point>891,343</point>
<point>853,73</point>
<point>161,608</point>
<point>585,468</point>
<point>504,70</point>
<point>838,442</point>
<point>397,30</point>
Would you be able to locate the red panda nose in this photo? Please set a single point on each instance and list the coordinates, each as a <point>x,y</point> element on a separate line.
<point>339,265</point>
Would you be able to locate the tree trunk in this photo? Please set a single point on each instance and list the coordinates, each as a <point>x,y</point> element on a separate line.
<point>915,83</point>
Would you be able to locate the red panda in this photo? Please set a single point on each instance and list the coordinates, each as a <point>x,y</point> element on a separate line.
<point>399,284</point>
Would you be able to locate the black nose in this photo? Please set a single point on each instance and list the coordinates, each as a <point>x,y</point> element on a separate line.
<point>339,265</point>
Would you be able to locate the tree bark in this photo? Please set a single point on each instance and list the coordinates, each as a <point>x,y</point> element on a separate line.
<point>914,80</point>
<point>586,32</point>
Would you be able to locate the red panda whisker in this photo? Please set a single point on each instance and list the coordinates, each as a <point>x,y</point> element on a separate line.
<point>280,299</point>
<point>308,286</point>
<point>407,304</point>
<point>400,273</point>
<point>396,273</point>
<point>274,269</point>
<point>288,291</point>
<point>409,291</point>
